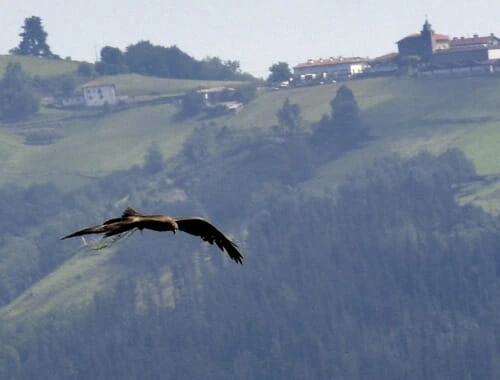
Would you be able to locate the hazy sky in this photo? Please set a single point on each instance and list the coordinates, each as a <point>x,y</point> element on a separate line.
<point>257,33</point>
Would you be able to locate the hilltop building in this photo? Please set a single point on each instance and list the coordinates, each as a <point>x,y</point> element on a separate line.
<point>438,50</point>
<point>334,68</point>
<point>423,44</point>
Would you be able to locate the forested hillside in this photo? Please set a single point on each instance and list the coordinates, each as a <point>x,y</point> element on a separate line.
<point>366,252</point>
<point>388,277</point>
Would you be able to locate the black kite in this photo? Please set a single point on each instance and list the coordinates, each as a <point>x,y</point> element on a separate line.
<point>196,226</point>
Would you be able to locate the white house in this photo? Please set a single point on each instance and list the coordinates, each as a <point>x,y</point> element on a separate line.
<point>340,67</point>
<point>98,93</point>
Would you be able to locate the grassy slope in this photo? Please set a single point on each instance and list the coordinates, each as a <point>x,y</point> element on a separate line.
<point>39,66</point>
<point>134,84</point>
<point>406,115</point>
<point>92,147</point>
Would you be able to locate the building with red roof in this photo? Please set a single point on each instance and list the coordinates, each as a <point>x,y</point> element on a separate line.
<point>98,93</point>
<point>335,68</point>
<point>422,44</point>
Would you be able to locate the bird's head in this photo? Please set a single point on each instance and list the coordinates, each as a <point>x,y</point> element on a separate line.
<point>175,227</point>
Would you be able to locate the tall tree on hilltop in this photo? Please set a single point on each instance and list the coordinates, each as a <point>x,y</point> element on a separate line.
<point>34,40</point>
<point>280,72</point>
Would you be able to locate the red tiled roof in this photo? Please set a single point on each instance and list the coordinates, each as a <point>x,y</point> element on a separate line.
<point>484,40</point>
<point>385,57</point>
<point>97,83</point>
<point>410,36</point>
<point>436,36</point>
<point>465,48</point>
<point>330,61</point>
<point>215,90</point>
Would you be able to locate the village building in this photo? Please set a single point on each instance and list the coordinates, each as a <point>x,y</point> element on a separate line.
<point>97,93</point>
<point>466,56</point>
<point>474,42</point>
<point>220,99</point>
<point>435,50</point>
<point>383,65</point>
<point>422,44</point>
<point>331,68</point>
<point>214,95</point>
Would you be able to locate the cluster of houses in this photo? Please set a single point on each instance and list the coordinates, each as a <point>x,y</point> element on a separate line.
<point>98,93</point>
<point>426,54</point>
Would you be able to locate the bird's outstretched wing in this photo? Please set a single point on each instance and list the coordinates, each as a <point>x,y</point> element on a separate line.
<point>208,232</point>
<point>131,220</point>
<point>109,228</point>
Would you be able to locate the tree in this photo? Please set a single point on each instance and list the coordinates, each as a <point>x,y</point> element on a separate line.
<point>246,93</point>
<point>280,72</point>
<point>192,103</point>
<point>34,40</point>
<point>112,61</point>
<point>344,127</point>
<point>16,101</point>
<point>153,162</point>
<point>84,69</point>
<point>289,116</point>
<point>345,110</point>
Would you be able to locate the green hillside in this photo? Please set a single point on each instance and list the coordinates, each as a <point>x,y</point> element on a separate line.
<point>363,256</point>
<point>39,66</point>
<point>406,116</point>
<point>135,84</point>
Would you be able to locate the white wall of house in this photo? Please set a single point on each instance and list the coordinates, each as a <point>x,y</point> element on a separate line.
<point>99,95</point>
<point>330,70</point>
<point>493,53</point>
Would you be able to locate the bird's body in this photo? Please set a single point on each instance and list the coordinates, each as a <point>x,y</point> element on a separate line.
<point>196,226</point>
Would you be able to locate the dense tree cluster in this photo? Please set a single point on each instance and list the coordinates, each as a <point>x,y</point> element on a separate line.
<point>141,58</point>
<point>367,281</point>
<point>17,101</point>
<point>167,62</point>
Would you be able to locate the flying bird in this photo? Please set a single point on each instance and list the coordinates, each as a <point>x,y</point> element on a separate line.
<point>131,219</point>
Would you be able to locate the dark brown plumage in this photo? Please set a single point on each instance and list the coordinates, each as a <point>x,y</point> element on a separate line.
<point>196,226</point>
